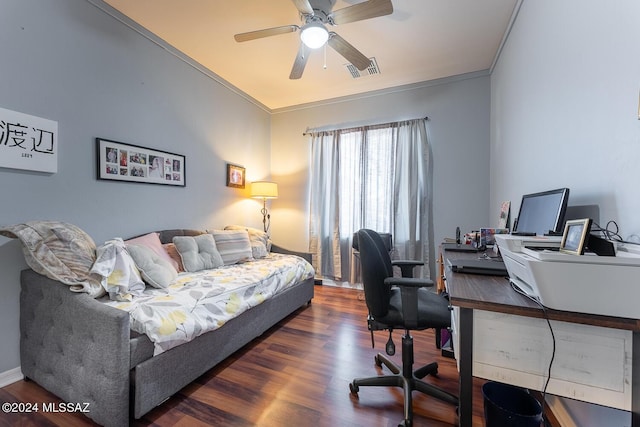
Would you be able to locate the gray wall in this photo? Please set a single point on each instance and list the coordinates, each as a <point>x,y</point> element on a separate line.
<point>458,128</point>
<point>565,107</point>
<point>68,61</point>
<point>564,98</point>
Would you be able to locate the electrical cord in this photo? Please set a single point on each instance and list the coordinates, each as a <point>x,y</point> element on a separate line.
<point>553,340</point>
<point>611,234</point>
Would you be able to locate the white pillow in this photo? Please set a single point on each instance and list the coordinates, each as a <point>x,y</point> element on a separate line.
<point>234,246</point>
<point>258,250</point>
<point>198,252</point>
<point>155,270</point>
<point>152,241</point>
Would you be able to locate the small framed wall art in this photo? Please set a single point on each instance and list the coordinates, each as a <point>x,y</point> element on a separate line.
<point>118,161</point>
<point>235,176</point>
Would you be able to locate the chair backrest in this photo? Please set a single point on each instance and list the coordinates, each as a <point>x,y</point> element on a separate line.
<point>386,238</point>
<point>376,266</point>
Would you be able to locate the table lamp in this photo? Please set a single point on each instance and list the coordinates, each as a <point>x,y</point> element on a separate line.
<point>264,190</point>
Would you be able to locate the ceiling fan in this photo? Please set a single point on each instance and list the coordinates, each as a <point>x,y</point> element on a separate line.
<point>317,14</point>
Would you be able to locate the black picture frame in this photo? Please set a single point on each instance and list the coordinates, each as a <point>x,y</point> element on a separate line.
<point>236,176</point>
<point>119,161</point>
<point>574,238</point>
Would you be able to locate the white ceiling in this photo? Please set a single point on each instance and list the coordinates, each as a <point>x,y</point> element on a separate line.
<point>421,40</point>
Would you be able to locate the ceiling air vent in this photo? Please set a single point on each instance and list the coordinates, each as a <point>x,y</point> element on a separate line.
<point>369,71</point>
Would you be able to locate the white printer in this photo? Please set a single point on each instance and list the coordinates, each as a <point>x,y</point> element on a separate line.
<point>605,285</point>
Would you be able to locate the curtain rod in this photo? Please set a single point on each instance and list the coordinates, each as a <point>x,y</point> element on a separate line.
<point>310,131</point>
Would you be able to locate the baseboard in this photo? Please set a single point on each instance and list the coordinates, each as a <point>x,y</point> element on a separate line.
<point>11,376</point>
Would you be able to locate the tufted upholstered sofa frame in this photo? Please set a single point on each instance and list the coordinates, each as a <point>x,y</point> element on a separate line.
<point>84,351</point>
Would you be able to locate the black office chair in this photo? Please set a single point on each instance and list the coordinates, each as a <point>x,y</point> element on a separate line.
<point>396,303</point>
<point>406,266</point>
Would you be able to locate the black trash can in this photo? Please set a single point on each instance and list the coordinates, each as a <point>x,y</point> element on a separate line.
<point>510,406</point>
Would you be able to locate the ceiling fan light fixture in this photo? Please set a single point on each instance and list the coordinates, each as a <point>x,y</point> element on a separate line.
<point>314,35</point>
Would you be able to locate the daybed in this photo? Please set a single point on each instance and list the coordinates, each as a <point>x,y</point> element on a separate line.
<point>84,351</point>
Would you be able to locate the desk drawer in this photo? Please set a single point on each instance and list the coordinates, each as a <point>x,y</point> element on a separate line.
<point>591,363</point>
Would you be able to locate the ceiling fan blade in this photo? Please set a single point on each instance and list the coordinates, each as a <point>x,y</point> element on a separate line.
<point>300,62</point>
<point>349,52</point>
<point>365,10</point>
<point>303,6</point>
<point>252,35</point>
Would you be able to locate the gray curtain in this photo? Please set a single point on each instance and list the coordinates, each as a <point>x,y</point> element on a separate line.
<point>324,233</point>
<point>376,177</point>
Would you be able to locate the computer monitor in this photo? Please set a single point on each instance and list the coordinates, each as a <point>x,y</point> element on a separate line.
<point>542,213</point>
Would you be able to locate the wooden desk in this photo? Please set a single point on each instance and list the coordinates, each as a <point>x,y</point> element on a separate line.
<point>474,295</point>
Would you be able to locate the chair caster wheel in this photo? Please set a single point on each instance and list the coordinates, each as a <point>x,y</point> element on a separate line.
<point>353,388</point>
<point>377,360</point>
<point>405,423</point>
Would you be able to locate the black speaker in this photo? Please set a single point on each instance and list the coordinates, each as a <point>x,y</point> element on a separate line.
<point>600,246</point>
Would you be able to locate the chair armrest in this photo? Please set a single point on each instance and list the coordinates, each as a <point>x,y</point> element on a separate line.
<point>409,282</point>
<point>409,296</point>
<point>406,266</point>
<point>406,262</point>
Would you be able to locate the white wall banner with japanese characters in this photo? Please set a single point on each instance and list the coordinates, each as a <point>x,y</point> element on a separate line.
<point>28,142</point>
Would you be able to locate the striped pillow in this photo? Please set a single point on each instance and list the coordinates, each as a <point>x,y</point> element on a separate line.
<point>255,236</point>
<point>234,246</point>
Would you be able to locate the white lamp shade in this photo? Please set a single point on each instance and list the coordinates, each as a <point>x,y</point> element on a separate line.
<point>314,35</point>
<point>264,190</point>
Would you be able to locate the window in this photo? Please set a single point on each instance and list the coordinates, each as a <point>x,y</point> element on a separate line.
<point>370,177</point>
<point>366,181</point>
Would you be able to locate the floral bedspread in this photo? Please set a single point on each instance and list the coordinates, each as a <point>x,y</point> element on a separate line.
<point>200,302</point>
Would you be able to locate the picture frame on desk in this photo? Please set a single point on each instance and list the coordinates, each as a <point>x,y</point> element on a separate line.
<point>487,235</point>
<point>574,238</point>
<point>505,215</point>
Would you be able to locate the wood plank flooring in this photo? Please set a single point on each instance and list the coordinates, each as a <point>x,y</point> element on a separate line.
<point>296,374</point>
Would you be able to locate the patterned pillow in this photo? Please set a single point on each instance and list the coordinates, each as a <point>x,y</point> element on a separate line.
<point>173,253</point>
<point>120,276</point>
<point>60,251</point>
<point>234,245</point>
<point>156,271</point>
<point>198,252</point>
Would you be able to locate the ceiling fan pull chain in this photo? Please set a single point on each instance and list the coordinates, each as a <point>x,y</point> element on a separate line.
<point>325,56</point>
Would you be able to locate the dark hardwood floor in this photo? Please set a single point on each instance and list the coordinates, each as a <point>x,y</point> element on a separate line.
<point>296,374</point>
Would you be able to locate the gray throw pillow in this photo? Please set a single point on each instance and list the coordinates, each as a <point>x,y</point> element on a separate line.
<point>256,236</point>
<point>198,252</point>
<point>258,250</point>
<point>234,246</point>
<point>155,271</point>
